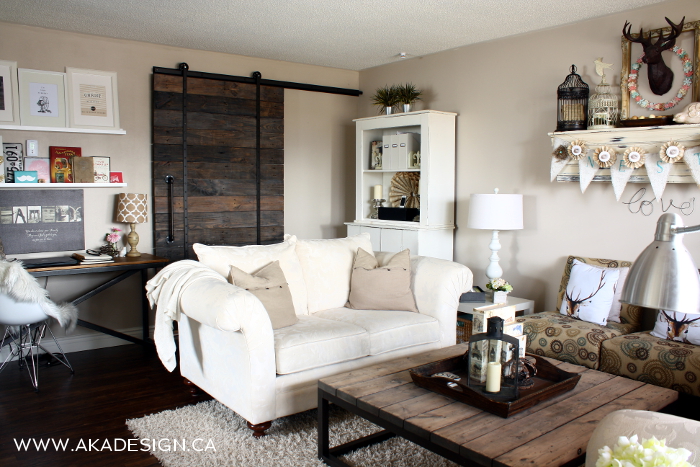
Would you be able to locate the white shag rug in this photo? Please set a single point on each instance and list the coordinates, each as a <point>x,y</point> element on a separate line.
<point>290,442</point>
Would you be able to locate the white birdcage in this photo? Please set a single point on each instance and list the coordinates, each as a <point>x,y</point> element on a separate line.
<point>603,107</point>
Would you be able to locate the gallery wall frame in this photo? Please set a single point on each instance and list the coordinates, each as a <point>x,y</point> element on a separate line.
<point>42,98</point>
<point>9,93</point>
<point>92,99</point>
<point>694,56</point>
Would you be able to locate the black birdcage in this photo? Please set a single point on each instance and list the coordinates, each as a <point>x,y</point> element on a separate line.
<point>572,99</point>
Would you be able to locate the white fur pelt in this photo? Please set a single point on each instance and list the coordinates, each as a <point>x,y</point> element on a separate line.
<point>19,285</point>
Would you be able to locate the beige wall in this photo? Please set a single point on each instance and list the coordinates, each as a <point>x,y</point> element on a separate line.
<point>505,94</point>
<point>318,137</point>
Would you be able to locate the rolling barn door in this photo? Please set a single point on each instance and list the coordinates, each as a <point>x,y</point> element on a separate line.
<point>218,159</point>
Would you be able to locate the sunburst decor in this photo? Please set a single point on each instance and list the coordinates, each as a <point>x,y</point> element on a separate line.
<point>577,150</point>
<point>605,156</point>
<point>405,184</point>
<point>672,152</point>
<point>634,157</point>
<point>560,153</point>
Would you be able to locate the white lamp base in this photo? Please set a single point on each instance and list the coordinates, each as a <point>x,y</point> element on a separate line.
<point>493,270</point>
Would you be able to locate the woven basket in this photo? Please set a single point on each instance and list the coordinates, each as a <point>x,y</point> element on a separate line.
<point>464,329</point>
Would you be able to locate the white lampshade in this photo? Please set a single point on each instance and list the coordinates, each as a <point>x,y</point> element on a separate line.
<point>495,212</point>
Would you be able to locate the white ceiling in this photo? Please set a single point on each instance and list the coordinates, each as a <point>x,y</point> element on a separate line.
<point>349,34</point>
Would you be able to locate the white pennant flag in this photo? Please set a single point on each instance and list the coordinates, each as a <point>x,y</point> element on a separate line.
<point>658,171</point>
<point>692,160</point>
<point>557,164</point>
<point>587,168</point>
<point>619,175</point>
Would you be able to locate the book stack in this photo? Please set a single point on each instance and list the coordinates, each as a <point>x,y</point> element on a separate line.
<point>88,258</point>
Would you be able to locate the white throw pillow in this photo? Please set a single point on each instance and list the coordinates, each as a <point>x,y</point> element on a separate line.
<point>251,258</point>
<point>590,292</point>
<point>616,307</point>
<point>327,266</point>
<point>675,326</point>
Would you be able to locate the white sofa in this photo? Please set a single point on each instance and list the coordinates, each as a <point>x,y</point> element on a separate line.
<point>229,349</point>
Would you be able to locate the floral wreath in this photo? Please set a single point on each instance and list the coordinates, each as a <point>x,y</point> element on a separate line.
<point>687,81</point>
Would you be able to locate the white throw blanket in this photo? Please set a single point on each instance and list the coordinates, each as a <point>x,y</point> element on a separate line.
<point>163,292</point>
<point>18,284</point>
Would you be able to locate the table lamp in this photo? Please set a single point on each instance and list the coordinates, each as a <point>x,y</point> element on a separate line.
<point>664,276</point>
<point>132,208</point>
<point>495,212</point>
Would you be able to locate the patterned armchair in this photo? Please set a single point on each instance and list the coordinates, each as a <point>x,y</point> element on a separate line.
<point>569,339</point>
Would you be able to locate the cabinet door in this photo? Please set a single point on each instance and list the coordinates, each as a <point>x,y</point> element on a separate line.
<point>409,239</point>
<point>392,240</point>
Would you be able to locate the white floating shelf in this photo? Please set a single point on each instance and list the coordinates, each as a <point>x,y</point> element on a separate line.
<point>61,185</point>
<point>63,130</point>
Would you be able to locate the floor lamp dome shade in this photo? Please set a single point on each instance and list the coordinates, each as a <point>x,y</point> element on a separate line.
<point>132,208</point>
<point>495,212</point>
<point>664,276</point>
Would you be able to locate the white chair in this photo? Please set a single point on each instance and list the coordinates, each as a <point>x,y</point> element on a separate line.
<point>26,324</point>
<point>678,432</point>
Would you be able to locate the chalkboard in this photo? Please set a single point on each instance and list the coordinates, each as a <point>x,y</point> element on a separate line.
<point>34,221</point>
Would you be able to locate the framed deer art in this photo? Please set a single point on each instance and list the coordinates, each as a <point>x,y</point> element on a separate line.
<point>660,68</point>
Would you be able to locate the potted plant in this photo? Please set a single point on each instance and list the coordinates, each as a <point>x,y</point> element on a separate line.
<point>500,289</point>
<point>386,98</point>
<point>408,94</point>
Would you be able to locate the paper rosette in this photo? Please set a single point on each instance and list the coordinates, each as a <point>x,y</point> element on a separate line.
<point>634,157</point>
<point>605,156</point>
<point>577,150</point>
<point>671,152</point>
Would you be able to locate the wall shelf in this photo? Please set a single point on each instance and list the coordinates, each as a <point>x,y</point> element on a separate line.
<point>650,138</point>
<point>63,130</point>
<point>60,185</point>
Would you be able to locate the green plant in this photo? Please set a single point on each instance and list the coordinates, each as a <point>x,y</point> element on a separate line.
<point>386,97</point>
<point>408,93</point>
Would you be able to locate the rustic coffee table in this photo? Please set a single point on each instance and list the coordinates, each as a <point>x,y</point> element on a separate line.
<point>552,433</point>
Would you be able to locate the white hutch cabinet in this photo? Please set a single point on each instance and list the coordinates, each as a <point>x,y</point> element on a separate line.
<point>433,235</point>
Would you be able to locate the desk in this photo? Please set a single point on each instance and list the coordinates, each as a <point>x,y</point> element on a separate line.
<point>128,267</point>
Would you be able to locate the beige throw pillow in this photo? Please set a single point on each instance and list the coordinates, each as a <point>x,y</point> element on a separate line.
<point>385,288</point>
<point>271,288</point>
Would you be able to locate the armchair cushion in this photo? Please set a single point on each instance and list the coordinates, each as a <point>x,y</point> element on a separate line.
<point>681,327</point>
<point>381,288</point>
<point>589,293</point>
<point>327,266</point>
<point>389,330</point>
<point>270,286</point>
<point>251,258</point>
<point>315,342</point>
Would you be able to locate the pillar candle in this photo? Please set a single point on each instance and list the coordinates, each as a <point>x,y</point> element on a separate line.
<point>377,192</point>
<point>493,377</point>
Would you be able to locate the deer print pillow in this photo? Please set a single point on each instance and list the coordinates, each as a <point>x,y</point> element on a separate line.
<point>590,292</point>
<point>674,326</point>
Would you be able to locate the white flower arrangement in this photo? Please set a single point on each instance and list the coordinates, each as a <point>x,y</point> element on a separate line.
<point>628,452</point>
<point>499,285</point>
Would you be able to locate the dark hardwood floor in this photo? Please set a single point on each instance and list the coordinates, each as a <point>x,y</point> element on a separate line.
<point>109,386</point>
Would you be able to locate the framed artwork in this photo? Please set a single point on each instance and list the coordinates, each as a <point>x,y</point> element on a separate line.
<point>42,98</point>
<point>683,60</point>
<point>92,99</point>
<point>9,93</point>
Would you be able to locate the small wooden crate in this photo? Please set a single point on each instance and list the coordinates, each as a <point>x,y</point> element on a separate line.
<point>464,327</point>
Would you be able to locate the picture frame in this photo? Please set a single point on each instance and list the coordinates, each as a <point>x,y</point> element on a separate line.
<point>93,100</point>
<point>694,56</point>
<point>42,98</point>
<point>9,93</point>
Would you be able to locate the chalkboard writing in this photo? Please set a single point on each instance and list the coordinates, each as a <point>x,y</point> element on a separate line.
<point>34,221</point>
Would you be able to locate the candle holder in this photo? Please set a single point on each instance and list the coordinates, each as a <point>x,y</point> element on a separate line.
<point>377,203</point>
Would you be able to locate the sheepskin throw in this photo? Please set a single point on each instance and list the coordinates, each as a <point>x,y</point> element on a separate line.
<point>19,285</point>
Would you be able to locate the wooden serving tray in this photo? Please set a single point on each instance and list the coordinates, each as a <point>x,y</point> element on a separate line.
<point>550,381</point>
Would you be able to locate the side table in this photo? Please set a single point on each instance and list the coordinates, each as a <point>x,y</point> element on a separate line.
<point>464,323</point>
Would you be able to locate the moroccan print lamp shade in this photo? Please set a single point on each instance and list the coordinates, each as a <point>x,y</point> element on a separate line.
<point>132,208</point>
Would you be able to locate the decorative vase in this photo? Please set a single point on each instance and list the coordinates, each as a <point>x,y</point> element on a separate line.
<point>388,109</point>
<point>500,297</point>
<point>407,107</point>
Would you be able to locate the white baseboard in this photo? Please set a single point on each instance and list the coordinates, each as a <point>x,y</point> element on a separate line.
<point>79,342</point>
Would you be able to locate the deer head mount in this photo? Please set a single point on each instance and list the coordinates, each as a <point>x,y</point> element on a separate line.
<point>678,328</point>
<point>575,303</point>
<point>660,75</point>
